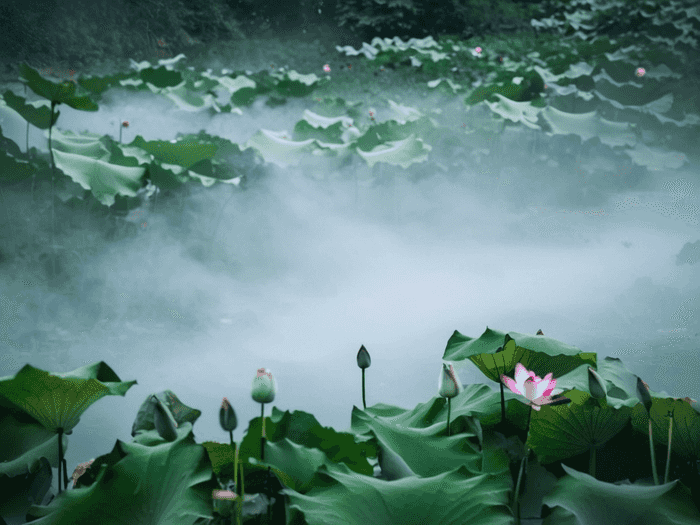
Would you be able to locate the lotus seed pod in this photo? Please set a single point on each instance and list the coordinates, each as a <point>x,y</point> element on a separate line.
<point>264,387</point>
<point>227,417</point>
<point>363,359</point>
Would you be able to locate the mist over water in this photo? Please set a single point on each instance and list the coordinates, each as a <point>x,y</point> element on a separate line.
<point>296,272</point>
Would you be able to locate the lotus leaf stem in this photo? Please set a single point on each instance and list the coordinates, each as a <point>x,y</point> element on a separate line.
<point>653,456</point>
<point>668,452</point>
<point>364,402</point>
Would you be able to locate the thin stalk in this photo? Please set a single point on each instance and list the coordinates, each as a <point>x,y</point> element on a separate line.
<point>239,504</point>
<point>53,178</point>
<point>262,437</point>
<point>239,508</point>
<point>60,456</point>
<point>591,462</point>
<point>364,403</point>
<point>27,137</point>
<point>503,405</point>
<point>668,452</point>
<point>449,404</point>
<point>653,456</point>
<point>516,496</point>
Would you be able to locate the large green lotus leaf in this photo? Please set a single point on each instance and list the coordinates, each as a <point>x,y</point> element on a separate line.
<point>57,400</point>
<point>37,113</point>
<point>564,431</point>
<point>279,148</point>
<point>98,85</point>
<point>588,126</point>
<point>294,465</point>
<point>293,84</point>
<point>181,413</point>
<point>426,452</point>
<point>538,353</point>
<point>156,484</point>
<point>514,111</point>
<point>187,100</point>
<point>103,179</point>
<point>60,93</point>
<point>86,144</point>
<point>456,496</point>
<point>620,383</point>
<point>398,153</point>
<point>476,406</point>
<point>183,153</point>
<point>160,77</point>
<point>595,502</point>
<point>302,428</point>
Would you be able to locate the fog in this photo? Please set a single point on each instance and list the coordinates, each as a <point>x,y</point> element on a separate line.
<point>305,271</point>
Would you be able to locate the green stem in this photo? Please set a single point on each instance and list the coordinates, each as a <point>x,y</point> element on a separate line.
<point>53,177</point>
<point>60,456</point>
<point>364,403</point>
<point>591,462</point>
<point>448,415</point>
<point>27,137</point>
<point>653,456</point>
<point>668,453</point>
<point>240,509</point>
<point>516,502</point>
<point>262,437</point>
<point>503,405</point>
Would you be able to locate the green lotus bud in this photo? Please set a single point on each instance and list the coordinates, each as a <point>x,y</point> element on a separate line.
<point>164,422</point>
<point>596,385</point>
<point>227,417</point>
<point>363,360</point>
<point>264,387</point>
<point>449,385</point>
<point>643,394</point>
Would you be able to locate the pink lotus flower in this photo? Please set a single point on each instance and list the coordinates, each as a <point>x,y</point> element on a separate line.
<point>535,389</point>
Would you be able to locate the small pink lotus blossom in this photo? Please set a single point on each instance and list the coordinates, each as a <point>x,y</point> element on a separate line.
<point>80,470</point>
<point>535,389</point>
<point>223,494</point>
<point>327,68</point>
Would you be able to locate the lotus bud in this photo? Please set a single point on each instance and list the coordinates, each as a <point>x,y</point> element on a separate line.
<point>264,387</point>
<point>596,385</point>
<point>643,394</point>
<point>449,385</point>
<point>164,422</point>
<point>363,359</point>
<point>227,417</point>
